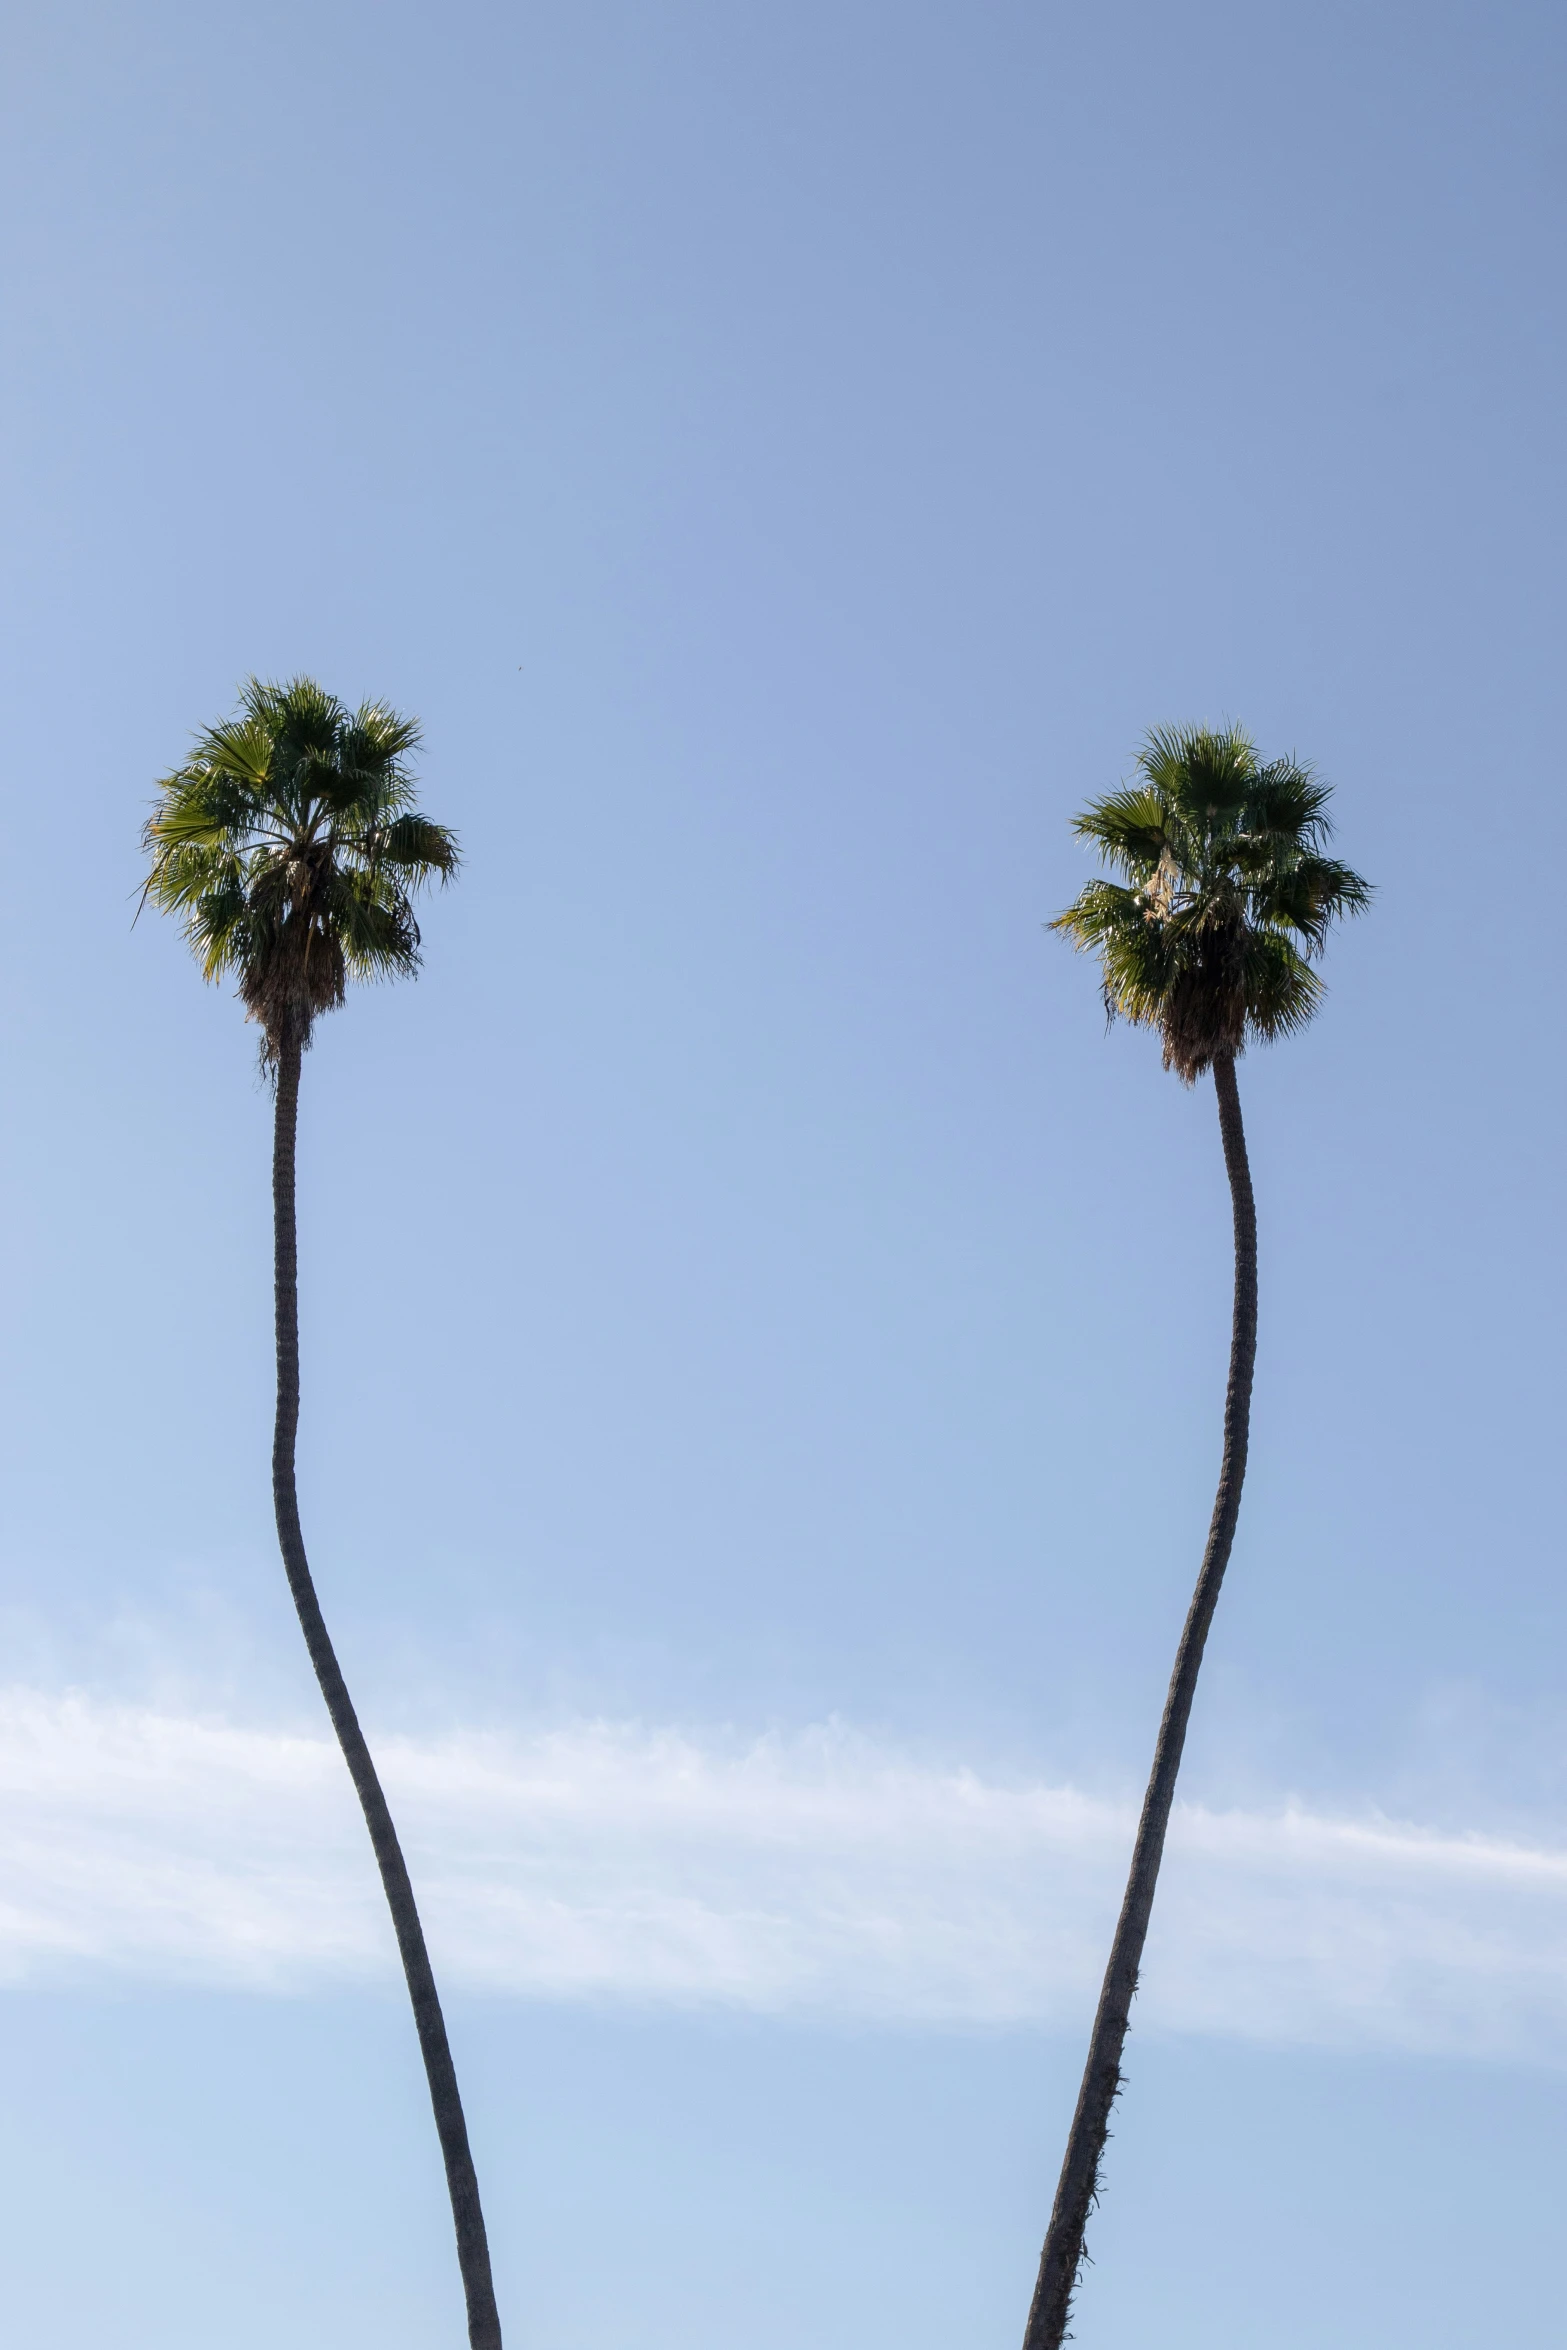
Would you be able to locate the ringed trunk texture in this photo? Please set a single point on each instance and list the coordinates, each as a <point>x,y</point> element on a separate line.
<point>1078,2189</point>
<point>473,2254</point>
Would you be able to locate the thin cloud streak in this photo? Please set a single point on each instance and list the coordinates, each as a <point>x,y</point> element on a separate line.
<point>818,1874</point>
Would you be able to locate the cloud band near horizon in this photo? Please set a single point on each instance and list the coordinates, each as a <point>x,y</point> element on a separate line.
<point>821,1874</point>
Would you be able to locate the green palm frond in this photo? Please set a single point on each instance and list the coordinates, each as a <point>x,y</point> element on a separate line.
<point>1233,894</point>
<point>1130,827</point>
<point>1289,804</point>
<point>289,848</point>
<point>374,926</point>
<point>1308,897</point>
<point>414,845</point>
<point>1282,990</point>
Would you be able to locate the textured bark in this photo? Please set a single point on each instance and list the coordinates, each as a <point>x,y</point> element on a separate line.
<point>1078,2189</point>
<point>484,2325</point>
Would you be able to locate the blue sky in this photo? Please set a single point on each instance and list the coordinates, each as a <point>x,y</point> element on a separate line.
<point>763,1341</point>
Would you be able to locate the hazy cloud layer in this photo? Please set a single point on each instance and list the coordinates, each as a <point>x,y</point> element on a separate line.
<point>816,1873</point>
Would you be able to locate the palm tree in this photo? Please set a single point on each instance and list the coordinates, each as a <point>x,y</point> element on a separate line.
<point>289,847</point>
<point>1228,897</point>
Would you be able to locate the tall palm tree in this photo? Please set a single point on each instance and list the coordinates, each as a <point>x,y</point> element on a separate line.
<point>290,848</point>
<point>1227,897</point>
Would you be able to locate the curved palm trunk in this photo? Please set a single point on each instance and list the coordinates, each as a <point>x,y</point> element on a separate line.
<point>1077,2191</point>
<point>484,2325</point>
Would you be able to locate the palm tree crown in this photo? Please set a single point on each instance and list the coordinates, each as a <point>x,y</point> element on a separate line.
<point>1228,894</point>
<point>290,846</point>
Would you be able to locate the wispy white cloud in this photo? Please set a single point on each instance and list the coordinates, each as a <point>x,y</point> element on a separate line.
<point>820,1872</point>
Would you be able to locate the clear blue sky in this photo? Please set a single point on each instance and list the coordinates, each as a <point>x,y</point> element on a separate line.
<point>764,1342</point>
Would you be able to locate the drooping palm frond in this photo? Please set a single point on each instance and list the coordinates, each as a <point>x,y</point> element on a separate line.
<point>1231,899</point>
<point>290,849</point>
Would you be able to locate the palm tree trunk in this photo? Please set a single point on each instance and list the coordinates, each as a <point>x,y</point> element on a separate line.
<point>1078,2189</point>
<point>484,2325</point>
